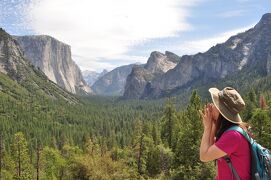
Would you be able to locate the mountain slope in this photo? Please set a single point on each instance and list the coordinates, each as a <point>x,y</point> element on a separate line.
<point>54,59</point>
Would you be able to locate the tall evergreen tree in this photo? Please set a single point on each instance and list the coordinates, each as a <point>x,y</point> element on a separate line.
<point>1,154</point>
<point>186,162</point>
<point>38,162</point>
<point>142,144</point>
<point>24,169</point>
<point>261,123</point>
<point>169,124</point>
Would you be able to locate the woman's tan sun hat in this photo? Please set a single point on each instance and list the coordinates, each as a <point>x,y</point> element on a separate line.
<point>229,103</point>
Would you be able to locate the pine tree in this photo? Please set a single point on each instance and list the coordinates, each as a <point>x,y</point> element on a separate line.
<point>155,134</point>
<point>159,160</point>
<point>38,163</point>
<point>142,143</point>
<point>1,155</point>
<point>186,162</point>
<point>261,123</point>
<point>251,104</point>
<point>169,124</point>
<point>8,166</point>
<point>20,154</point>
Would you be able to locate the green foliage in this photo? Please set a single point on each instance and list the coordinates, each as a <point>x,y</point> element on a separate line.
<point>262,126</point>
<point>199,171</point>
<point>52,163</point>
<point>95,166</point>
<point>159,160</point>
<point>8,167</point>
<point>169,125</point>
<point>20,154</point>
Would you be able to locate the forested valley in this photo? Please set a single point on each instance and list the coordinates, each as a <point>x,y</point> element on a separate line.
<point>109,138</point>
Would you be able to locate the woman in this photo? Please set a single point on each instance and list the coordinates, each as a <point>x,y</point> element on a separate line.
<point>217,143</point>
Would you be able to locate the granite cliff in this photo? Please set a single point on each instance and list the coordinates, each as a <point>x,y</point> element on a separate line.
<point>157,65</point>
<point>54,59</point>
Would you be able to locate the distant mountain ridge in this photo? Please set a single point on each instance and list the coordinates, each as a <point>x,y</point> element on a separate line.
<point>112,83</point>
<point>54,59</point>
<point>92,76</point>
<point>249,51</point>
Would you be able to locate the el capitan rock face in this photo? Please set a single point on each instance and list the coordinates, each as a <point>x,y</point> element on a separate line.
<point>250,50</point>
<point>54,59</point>
<point>16,68</point>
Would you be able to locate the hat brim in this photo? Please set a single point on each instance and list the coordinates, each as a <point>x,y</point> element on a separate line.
<point>234,118</point>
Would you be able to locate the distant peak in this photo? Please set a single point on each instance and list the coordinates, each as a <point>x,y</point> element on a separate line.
<point>155,55</point>
<point>168,53</point>
<point>266,19</point>
<point>3,33</point>
<point>266,16</point>
<point>2,30</point>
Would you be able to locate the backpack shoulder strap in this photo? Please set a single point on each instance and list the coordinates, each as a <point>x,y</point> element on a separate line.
<point>228,160</point>
<point>241,131</point>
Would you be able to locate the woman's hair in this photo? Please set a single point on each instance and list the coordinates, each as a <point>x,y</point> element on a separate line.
<point>224,124</point>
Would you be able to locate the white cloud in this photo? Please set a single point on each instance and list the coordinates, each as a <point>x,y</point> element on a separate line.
<point>99,66</point>
<point>92,65</point>
<point>106,29</point>
<point>202,45</point>
<point>12,13</point>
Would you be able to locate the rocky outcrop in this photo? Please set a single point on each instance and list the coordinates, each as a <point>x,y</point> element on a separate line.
<point>157,64</point>
<point>11,61</point>
<point>54,59</point>
<point>92,76</point>
<point>247,52</point>
<point>113,82</point>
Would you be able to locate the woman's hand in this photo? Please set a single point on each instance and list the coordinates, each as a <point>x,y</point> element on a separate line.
<point>214,116</point>
<point>206,116</point>
<point>208,150</point>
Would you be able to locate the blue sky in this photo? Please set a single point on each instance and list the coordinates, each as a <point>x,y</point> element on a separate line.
<point>107,33</point>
